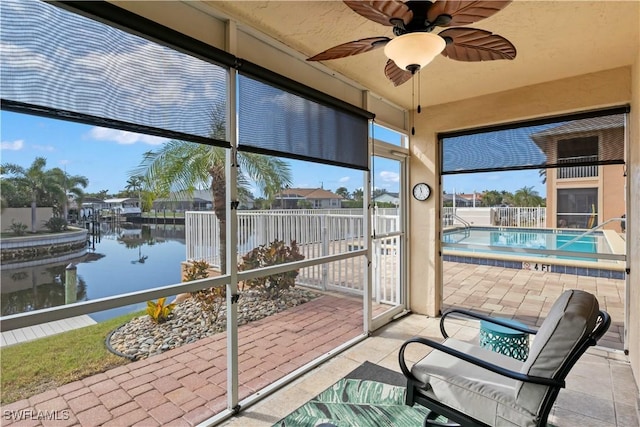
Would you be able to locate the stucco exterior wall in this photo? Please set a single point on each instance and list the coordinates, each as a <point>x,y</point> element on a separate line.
<point>23,215</point>
<point>610,183</point>
<point>633,224</point>
<point>613,196</point>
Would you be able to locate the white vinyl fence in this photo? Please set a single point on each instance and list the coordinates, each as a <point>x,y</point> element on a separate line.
<point>524,217</point>
<point>318,233</point>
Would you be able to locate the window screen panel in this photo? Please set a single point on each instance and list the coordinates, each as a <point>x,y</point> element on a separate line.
<point>274,121</point>
<point>60,61</point>
<point>584,141</point>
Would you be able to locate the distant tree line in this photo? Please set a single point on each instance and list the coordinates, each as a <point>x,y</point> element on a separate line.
<point>524,197</point>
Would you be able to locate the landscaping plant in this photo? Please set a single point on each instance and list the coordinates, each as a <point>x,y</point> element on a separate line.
<point>211,299</point>
<point>56,224</point>
<point>18,228</point>
<point>158,311</point>
<point>276,253</point>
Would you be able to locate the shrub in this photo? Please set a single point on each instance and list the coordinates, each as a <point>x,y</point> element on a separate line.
<point>212,299</point>
<point>18,228</point>
<point>196,270</point>
<point>56,224</point>
<point>274,254</point>
<point>158,311</point>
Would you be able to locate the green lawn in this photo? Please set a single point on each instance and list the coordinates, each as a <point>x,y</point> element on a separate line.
<point>36,366</point>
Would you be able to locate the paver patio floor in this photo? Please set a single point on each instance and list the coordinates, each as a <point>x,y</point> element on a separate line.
<point>528,295</point>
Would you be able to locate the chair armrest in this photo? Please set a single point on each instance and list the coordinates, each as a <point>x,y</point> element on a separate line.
<point>473,360</point>
<point>486,318</point>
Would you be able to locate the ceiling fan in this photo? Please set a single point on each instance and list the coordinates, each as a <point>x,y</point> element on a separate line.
<point>415,45</point>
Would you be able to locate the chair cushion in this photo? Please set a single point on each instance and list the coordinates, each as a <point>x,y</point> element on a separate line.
<point>477,392</point>
<point>571,318</point>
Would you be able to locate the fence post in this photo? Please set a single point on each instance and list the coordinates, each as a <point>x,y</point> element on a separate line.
<point>325,251</point>
<point>539,217</point>
<point>70,284</point>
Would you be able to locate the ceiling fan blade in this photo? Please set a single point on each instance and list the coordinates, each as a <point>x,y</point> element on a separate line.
<point>465,12</point>
<point>382,11</point>
<point>351,48</point>
<point>470,44</point>
<point>396,74</point>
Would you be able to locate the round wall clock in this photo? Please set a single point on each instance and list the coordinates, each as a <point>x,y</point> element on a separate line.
<point>421,191</point>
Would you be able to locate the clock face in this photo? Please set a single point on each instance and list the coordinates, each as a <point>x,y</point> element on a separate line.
<point>421,191</point>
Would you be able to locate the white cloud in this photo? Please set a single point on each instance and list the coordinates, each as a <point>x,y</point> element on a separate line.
<point>388,176</point>
<point>178,81</point>
<point>344,179</point>
<point>20,58</point>
<point>123,137</point>
<point>16,145</point>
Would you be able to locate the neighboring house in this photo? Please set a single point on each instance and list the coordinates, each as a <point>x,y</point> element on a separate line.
<point>457,200</point>
<point>317,198</point>
<point>586,195</point>
<point>91,205</point>
<point>126,206</point>
<point>198,200</point>
<point>474,198</point>
<point>247,203</point>
<point>392,198</point>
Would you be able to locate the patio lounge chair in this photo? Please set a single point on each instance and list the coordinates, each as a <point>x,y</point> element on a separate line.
<point>474,386</point>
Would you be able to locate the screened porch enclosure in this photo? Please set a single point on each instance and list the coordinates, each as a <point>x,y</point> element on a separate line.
<point>580,164</point>
<point>217,122</point>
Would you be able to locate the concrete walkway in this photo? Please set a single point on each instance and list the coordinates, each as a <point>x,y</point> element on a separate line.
<point>39,331</point>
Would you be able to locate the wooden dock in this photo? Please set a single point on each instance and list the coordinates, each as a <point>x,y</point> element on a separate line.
<point>46,329</point>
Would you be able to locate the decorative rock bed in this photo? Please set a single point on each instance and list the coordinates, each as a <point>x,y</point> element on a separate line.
<point>142,337</point>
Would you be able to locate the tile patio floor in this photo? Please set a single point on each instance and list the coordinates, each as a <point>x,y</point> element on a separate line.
<point>185,386</point>
<point>600,391</point>
<point>528,295</point>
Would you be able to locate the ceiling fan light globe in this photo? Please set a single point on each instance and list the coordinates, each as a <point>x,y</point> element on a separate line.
<point>414,49</point>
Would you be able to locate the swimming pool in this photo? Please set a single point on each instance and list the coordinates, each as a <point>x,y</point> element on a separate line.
<point>555,250</point>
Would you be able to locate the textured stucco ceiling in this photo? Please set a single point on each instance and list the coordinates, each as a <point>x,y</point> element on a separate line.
<point>554,40</point>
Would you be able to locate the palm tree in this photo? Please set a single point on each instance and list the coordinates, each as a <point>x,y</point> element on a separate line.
<point>34,180</point>
<point>526,196</point>
<point>491,198</point>
<point>358,194</point>
<point>134,183</point>
<point>342,191</point>
<point>542,173</point>
<point>71,186</point>
<point>184,166</point>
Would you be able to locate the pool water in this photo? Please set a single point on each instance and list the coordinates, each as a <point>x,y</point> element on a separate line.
<point>554,241</point>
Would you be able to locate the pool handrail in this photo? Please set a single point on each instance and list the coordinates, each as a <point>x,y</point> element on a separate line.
<point>590,231</point>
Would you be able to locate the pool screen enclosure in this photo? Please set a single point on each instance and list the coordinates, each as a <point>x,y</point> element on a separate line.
<point>540,144</point>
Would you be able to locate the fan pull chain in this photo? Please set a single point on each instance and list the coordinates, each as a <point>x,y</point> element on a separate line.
<point>419,90</point>
<point>413,103</point>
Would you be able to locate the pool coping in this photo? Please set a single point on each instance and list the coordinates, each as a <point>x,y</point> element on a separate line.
<point>611,269</point>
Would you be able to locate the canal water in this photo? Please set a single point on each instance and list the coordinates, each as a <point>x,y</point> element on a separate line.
<point>124,259</point>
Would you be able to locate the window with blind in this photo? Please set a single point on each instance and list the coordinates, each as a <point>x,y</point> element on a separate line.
<point>272,120</point>
<point>62,64</point>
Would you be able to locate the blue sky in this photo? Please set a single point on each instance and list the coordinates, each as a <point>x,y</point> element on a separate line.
<point>107,156</point>
<point>172,91</point>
